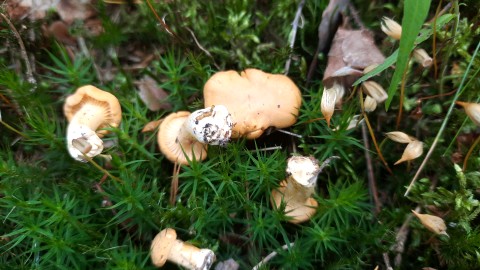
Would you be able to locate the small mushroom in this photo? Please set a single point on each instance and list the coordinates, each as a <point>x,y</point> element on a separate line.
<point>165,246</point>
<point>257,100</point>
<point>89,110</point>
<point>184,135</point>
<point>297,189</point>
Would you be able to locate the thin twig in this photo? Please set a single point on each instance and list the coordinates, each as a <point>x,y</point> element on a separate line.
<point>371,178</point>
<point>401,237</point>
<point>444,124</point>
<point>402,97</point>
<point>202,48</point>
<point>326,162</point>
<point>23,53</point>
<point>469,153</point>
<point>174,184</point>
<point>290,133</point>
<point>162,21</point>
<point>372,135</point>
<point>271,256</point>
<point>294,34</point>
<point>386,259</point>
<point>267,149</point>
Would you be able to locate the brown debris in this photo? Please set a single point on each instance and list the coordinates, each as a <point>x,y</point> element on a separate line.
<point>153,96</point>
<point>351,52</point>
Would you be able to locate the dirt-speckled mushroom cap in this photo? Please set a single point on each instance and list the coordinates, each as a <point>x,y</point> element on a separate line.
<point>256,100</point>
<point>161,246</point>
<point>171,147</point>
<point>90,94</point>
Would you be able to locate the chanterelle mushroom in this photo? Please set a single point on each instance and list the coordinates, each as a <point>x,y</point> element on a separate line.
<point>165,246</point>
<point>256,100</point>
<point>88,111</point>
<point>184,134</point>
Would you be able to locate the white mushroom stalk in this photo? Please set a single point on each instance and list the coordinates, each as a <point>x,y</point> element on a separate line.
<point>82,128</point>
<point>301,181</point>
<point>211,125</point>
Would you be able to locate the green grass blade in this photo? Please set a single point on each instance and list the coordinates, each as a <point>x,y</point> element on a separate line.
<point>414,14</point>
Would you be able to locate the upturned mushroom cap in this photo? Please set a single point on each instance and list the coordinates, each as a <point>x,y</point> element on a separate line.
<point>256,100</point>
<point>161,246</point>
<point>171,147</point>
<point>89,94</point>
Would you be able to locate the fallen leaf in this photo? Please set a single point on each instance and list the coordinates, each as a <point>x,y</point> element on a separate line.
<point>59,31</point>
<point>153,96</point>
<point>352,51</point>
<point>432,223</point>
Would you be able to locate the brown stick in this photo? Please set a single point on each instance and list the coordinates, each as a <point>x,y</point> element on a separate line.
<point>371,178</point>
<point>23,53</point>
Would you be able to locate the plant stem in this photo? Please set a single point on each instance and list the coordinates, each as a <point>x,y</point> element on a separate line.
<point>465,161</point>
<point>444,123</point>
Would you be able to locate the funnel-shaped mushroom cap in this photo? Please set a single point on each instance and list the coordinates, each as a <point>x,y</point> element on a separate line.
<point>172,147</point>
<point>255,99</point>
<point>93,96</point>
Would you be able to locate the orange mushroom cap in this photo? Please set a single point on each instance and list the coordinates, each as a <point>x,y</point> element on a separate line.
<point>256,100</point>
<point>90,94</point>
<point>172,147</point>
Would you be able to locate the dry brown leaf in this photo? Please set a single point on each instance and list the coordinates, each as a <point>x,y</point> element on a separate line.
<point>153,96</point>
<point>59,31</point>
<point>432,223</point>
<point>352,51</point>
<point>413,150</point>
<point>472,110</point>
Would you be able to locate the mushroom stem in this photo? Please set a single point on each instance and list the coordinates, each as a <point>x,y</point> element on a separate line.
<point>301,181</point>
<point>165,246</point>
<point>211,125</point>
<point>83,126</point>
<point>191,257</point>
<point>297,189</point>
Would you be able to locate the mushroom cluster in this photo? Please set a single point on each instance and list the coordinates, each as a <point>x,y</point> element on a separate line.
<point>89,111</point>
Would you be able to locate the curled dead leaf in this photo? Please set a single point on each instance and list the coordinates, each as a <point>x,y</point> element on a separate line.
<point>413,150</point>
<point>400,137</point>
<point>327,106</point>
<point>375,91</point>
<point>472,110</point>
<point>432,223</point>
